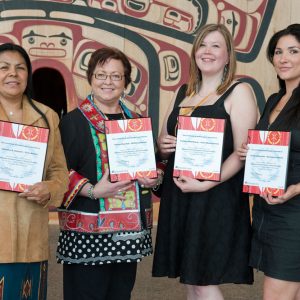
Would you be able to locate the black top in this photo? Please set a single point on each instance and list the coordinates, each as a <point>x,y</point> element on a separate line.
<point>276,238</point>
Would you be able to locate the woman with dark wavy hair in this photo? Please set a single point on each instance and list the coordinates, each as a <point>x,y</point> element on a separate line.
<point>276,226</point>
<point>24,216</point>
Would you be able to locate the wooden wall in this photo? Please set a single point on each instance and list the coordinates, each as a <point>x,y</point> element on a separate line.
<point>155,34</point>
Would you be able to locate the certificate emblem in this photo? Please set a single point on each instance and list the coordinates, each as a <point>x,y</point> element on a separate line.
<point>135,124</point>
<point>30,133</point>
<point>208,124</point>
<point>274,137</point>
<point>273,191</point>
<point>206,175</point>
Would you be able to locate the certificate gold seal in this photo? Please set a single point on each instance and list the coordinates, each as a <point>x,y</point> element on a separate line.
<point>206,175</point>
<point>274,137</point>
<point>135,124</point>
<point>30,133</point>
<point>208,124</point>
<point>22,187</point>
<point>144,173</point>
<point>272,191</point>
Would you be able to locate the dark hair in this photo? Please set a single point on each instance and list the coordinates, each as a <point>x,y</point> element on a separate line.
<point>294,30</point>
<point>101,56</point>
<point>23,53</point>
<point>28,91</point>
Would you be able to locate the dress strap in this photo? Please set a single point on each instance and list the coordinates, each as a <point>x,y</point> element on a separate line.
<point>227,93</point>
<point>180,95</point>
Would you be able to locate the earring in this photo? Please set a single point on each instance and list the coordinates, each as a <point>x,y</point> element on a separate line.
<point>225,72</point>
<point>198,82</point>
<point>122,97</point>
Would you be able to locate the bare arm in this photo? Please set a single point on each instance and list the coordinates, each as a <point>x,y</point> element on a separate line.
<point>243,116</point>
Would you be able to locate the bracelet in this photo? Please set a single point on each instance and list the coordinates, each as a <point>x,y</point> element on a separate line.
<point>90,192</point>
<point>160,180</point>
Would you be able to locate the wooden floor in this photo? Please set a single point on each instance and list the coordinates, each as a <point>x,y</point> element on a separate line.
<point>146,287</point>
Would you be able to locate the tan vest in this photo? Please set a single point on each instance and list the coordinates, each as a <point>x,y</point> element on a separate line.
<point>23,223</point>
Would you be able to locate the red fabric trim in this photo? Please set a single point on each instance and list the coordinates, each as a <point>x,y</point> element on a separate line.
<point>95,117</point>
<point>92,115</point>
<point>149,217</point>
<point>110,221</point>
<point>161,165</point>
<point>76,182</point>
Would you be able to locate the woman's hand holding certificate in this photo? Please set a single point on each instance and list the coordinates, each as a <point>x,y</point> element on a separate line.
<point>266,162</point>
<point>23,151</point>
<point>199,148</point>
<point>130,149</point>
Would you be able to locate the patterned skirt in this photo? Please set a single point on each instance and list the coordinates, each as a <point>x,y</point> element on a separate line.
<point>99,249</point>
<point>23,281</point>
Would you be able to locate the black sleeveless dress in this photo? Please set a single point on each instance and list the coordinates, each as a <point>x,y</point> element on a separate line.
<point>276,228</point>
<point>204,238</point>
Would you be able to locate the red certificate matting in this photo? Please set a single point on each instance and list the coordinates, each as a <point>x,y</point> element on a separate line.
<point>266,162</point>
<point>130,149</point>
<point>22,157</point>
<point>199,148</point>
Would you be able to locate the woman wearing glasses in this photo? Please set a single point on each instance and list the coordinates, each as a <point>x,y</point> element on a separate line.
<point>97,264</point>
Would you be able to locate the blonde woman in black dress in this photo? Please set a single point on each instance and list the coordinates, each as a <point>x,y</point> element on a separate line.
<point>204,226</point>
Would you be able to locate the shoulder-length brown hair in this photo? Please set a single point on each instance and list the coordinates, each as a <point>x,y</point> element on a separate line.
<point>195,76</point>
<point>101,56</point>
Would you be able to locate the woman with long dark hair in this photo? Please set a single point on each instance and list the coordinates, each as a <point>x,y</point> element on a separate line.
<point>24,216</point>
<point>276,226</point>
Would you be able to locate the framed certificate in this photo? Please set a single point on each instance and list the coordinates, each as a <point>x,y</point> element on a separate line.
<point>199,148</point>
<point>130,149</point>
<point>22,155</point>
<point>266,162</point>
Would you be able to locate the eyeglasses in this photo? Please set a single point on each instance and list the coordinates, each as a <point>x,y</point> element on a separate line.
<point>113,77</point>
